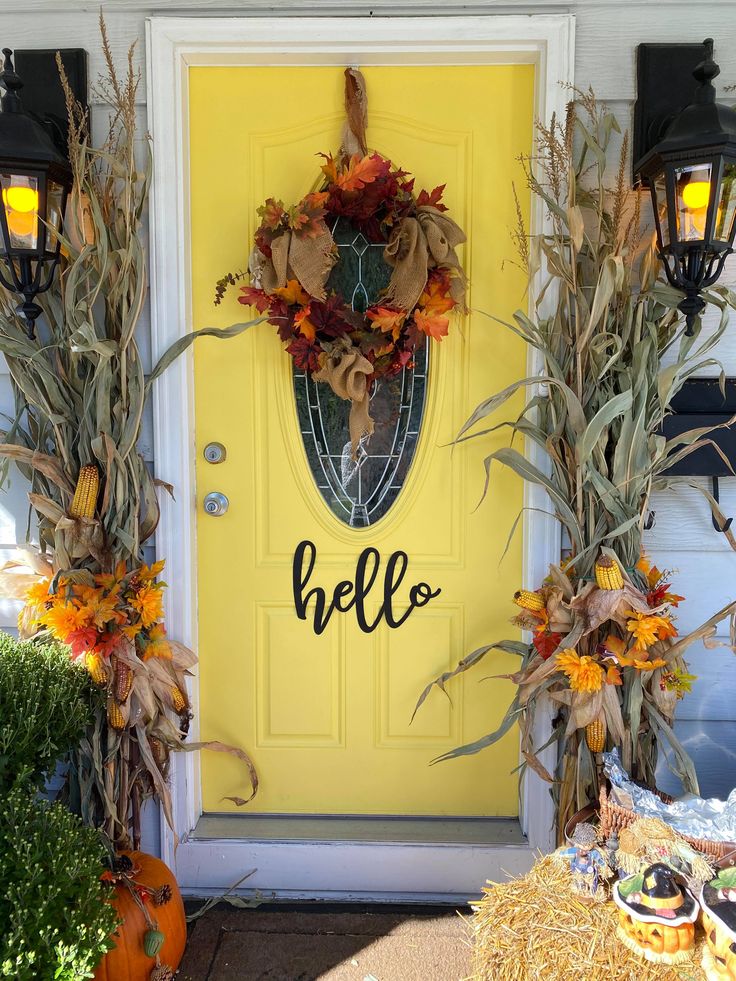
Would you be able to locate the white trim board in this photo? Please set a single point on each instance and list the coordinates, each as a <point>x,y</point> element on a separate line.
<point>173,45</point>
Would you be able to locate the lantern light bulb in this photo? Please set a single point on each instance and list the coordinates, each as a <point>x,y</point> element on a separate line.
<point>695,195</point>
<point>20,198</point>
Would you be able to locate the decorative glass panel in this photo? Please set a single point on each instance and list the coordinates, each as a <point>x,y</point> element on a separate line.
<point>727,204</point>
<point>20,199</point>
<point>659,197</point>
<point>53,214</point>
<point>361,491</point>
<point>693,194</point>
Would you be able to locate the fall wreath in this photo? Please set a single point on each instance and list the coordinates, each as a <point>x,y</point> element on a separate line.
<point>294,253</point>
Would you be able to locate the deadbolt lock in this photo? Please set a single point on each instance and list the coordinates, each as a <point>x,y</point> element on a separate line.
<point>216,504</point>
<point>215,453</point>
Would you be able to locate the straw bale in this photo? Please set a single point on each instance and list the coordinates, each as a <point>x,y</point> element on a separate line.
<point>536,927</point>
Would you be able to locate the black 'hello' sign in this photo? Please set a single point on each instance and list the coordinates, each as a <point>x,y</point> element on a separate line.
<point>348,595</point>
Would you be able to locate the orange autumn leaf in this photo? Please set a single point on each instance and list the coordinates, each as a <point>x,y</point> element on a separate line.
<point>431,324</point>
<point>613,675</point>
<point>359,172</point>
<point>649,665</point>
<point>666,629</point>
<point>329,167</point>
<point>304,324</point>
<point>435,298</point>
<point>387,320</point>
<point>292,293</point>
<point>615,645</point>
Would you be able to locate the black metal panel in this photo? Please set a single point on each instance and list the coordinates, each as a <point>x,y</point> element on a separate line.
<point>42,94</point>
<point>664,86</point>
<point>700,402</point>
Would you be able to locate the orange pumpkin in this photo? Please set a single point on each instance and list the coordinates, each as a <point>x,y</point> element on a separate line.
<point>719,956</point>
<point>658,942</point>
<point>128,961</point>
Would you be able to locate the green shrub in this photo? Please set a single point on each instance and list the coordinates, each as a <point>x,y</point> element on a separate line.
<point>55,920</point>
<point>45,707</point>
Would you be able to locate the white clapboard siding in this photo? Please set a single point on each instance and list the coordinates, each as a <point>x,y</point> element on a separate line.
<point>607,33</point>
<point>713,696</point>
<point>712,745</point>
<point>707,580</point>
<point>682,516</point>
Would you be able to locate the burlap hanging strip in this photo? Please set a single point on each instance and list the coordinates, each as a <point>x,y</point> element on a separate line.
<point>307,258</point>
<point>417,245</point>
<point>356,115</point>
<point>347,375</point>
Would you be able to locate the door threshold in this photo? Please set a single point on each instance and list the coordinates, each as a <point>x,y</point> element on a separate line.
<point>354,829</point>
<point>349,859</point>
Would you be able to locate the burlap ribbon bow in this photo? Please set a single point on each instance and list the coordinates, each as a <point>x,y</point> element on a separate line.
<point>307,258</point>
<point>416,245</point>
<point>346,371</point>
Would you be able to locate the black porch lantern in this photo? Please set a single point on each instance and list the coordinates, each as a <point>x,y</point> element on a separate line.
<point>35,180</point>
<point>691,173</point>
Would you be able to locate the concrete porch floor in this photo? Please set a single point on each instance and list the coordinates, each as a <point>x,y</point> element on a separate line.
<point>329,943</point>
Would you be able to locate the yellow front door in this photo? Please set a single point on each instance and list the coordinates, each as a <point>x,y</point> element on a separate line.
<point>326,715</point>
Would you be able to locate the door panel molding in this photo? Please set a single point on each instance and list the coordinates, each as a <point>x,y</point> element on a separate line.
<point>377,870</point>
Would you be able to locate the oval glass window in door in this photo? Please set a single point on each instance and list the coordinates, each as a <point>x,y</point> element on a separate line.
<point>360,492</point>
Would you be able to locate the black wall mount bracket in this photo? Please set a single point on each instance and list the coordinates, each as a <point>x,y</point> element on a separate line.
<point>664,86</point>
<point>701,402</point>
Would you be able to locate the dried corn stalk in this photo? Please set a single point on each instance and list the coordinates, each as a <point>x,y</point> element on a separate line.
<point>80,393</point>
<point>613,354</point>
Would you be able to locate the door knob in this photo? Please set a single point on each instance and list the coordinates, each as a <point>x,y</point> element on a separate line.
<point>216,504</point>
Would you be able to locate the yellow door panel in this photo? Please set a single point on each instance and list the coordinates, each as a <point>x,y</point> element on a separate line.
<point>327,716</point>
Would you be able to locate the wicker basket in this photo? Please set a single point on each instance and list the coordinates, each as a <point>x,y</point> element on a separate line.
<point>613,817</point>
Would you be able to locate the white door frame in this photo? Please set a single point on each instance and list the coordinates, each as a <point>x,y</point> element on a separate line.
<point>299,868</point>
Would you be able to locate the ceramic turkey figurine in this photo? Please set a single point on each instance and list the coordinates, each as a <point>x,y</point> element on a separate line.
<point>718,903</point>
<point>656,915</point>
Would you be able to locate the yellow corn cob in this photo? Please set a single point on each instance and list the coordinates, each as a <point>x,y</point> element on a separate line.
<point>178,699</point>
<point>595,735</point>
<point>96,668</point>
<point>607,573</point>
<point>85,494</point>
<point>123,681</point>
<point>159,750</point>
<point>115,715</point>
<point>528,600</point>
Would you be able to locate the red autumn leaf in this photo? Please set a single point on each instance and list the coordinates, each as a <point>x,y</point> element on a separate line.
<point>254,298</point>
<point>546,644</point>
<point>400,361</point>
<point>387,320</point>
<point>361,171</point>
<point>431,324</point>
<point>332,318</point>
<point>271,213</point>
<point>661,595</point>
<point>305,355</point>
<point>434,199</point>
<point>293,293</point>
